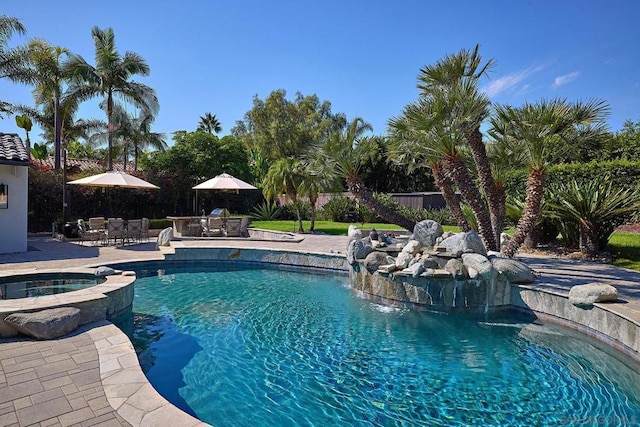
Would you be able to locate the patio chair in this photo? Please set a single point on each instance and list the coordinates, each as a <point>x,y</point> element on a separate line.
<point>244,226</point>
<point>115,230</point>
<point>233,228</point>
<point>85,233</point>
<point>144,230</point>
<point>134,230</point>
<point>97,223</point>
<point>212,226</point>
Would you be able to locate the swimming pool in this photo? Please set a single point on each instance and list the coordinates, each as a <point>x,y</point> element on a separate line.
<point>241,345</point>
<point>41,284</point>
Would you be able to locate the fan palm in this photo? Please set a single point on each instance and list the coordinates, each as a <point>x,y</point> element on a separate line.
<point>111,77</point>
<point>343,155</point>
<point>285,177</point>
<point>530,129</point>
<point>417,144</point>
<point>454,82</point>
<point>209,123</point>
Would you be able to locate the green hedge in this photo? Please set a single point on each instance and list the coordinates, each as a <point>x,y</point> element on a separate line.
<point>623,173</point>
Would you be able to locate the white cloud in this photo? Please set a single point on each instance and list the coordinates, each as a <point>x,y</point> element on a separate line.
<point>510,82</point>
<point>563,80</point>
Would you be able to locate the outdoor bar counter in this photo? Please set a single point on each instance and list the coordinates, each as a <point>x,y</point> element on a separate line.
<point>181,226</point>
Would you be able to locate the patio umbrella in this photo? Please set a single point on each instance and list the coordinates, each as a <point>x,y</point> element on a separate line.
<point>114,179</point>
<point>224,182</point>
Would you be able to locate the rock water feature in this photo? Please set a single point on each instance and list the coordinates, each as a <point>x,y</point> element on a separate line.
<point>432,270</point>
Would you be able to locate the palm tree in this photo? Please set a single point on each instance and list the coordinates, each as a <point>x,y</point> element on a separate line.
<point>531,129</point>
<point>135,133</point>
<point>284,177</point>
<point>48,73</point>
<point>69,128</point>
<point>454,82</point>
<point>11,60</point>
<point>417,144</point>
<point>111,77</point>
<point>209,123</point>
<point>343,154</point>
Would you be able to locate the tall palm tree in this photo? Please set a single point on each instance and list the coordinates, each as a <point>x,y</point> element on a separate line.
<point>69,129</point>
<point>47,71</point>
<point>454,82</point>
<point>11,59</point>
<point>209,123</point>
<point>531,129</point>
<point>111,78</point>
<point>343,154</point>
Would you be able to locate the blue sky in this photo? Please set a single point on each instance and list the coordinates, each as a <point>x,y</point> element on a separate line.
<point>362,56</point>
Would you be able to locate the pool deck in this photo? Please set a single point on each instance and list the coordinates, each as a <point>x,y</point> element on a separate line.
<point>91,377</point>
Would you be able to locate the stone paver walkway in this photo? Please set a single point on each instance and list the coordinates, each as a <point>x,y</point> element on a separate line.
<point>53,383</point>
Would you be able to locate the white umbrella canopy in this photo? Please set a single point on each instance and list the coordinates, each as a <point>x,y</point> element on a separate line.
<point>224,182</point>
<point>114,179</point>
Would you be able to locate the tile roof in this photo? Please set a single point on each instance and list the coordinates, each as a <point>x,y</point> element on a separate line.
<point>82,165</point>
<point>12,150</point>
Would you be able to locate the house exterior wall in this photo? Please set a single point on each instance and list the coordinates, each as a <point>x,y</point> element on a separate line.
<point>13,221</point>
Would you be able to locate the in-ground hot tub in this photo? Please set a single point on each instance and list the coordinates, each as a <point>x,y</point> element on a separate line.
<point>35,285</point>
<point>98,297</point>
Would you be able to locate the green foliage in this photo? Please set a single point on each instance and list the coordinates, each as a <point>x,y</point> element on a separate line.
<point>39,151</point>
<point>266,211</point>
<point>622,173</point>
<point>626,143</point>
<point>441,216</point>
<point>340,209</point>
<point>289,211</point>
<point>24,122</point>
<point>160,223</point>
<point>589,212</point>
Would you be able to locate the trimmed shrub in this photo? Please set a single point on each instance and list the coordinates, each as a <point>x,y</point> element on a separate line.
<point>340,209</point>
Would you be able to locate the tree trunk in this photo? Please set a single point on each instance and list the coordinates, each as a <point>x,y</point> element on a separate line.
<point>294,200</point>
<point>110,131</point>
<point>365,197</point>
<point>530,213</point>
<point>588,240</point>
<point>461,176</point>
<point>312,201</point>
<point>450,197</point>
<point>57,125</point>
<point>495,194</point>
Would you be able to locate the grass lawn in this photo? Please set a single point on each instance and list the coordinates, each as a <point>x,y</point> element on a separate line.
<point>329,227</point>
<point>625,247</point>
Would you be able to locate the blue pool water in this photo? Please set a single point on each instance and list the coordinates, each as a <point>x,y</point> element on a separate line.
<point>260,347</point>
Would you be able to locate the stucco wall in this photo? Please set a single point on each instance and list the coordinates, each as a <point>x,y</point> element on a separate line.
<point>13,221</point>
